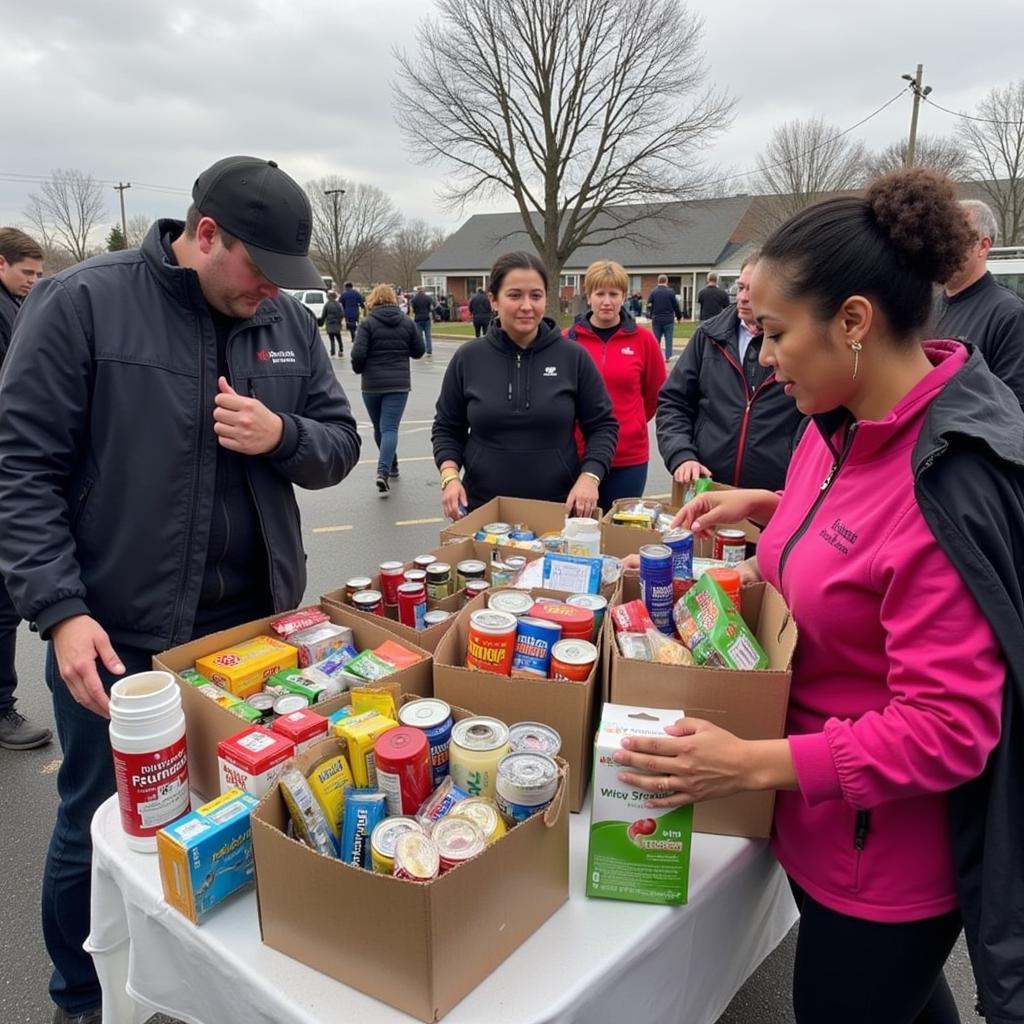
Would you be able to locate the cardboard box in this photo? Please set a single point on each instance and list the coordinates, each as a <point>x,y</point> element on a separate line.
<point>567,707</point>
<point>421,947</point>
<point>750,704</point>
<point>206,723</point>
<point>539,516</point>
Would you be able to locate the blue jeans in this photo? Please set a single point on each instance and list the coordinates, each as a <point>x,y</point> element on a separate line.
<point>423,326</point>
<point>624,482</point>
<point>385,412</point>
<point>664,331</point>
<point>84,781</point>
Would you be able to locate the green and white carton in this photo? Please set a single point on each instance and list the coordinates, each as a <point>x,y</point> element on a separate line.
<point>636,853</point>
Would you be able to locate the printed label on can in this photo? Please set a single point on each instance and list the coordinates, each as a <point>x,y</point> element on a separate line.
<point>152,788</point>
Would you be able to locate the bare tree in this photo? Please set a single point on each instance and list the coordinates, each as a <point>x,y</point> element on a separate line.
<point>802,161</point>
<point>571,109</point>
<point>994,140</point>
<point>410,245</point>
<point>945,155</point>
<point>65,211</point>
<point>138,226</point>
<point>347,227</point>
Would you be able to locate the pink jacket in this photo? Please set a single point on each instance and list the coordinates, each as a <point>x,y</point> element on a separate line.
<point>897,676</point>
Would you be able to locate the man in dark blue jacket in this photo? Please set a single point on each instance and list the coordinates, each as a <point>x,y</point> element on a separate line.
<point>351,302</point>
<point>663,306</point>
<point>157,407</point>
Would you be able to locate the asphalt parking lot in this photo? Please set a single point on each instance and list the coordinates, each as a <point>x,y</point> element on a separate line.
<point>347,529</point>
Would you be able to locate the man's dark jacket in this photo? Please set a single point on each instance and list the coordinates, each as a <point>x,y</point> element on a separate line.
<point>664,305</point>
<point>107,449</point>
<point>422,306</point>
<point>333,315</point>
<point>9,306</point>
<point>969,480</point>
<point>742,428</point>
<point>385,342</point>
<point>712,300</point>
<point>351,301</point>
<point>480,307</point>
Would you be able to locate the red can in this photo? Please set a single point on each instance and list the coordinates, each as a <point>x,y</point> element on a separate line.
<point>412,604</point>
<point>402,756</point>
<point>573,660</point>
<point>391,575</point>
<point>730,546</point>
<point>577,623</point>
<point>369,601</point>
<point>491,642</point>
<point>729,581</point>
<point>680,587</point>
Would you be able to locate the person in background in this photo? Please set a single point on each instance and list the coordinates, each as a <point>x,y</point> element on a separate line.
<point>722,413</point>
<point>510,403</point>
<point>635,305</point>
<point>351,302</point>
<point>711,299</point>
<point>423,315</point>
<point>333,315</point>
<point>21,265</point>
<point>402,299</point>
<point>385,342</point>
<point>663,309</point>
<point>481,312</point>
<point>975,307</point>
<point>633,371</point>
<point>895,543</point>
<point>157,408</point>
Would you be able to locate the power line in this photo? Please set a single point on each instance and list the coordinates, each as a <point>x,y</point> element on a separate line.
<point>42,179</point>
<point>971,117</point>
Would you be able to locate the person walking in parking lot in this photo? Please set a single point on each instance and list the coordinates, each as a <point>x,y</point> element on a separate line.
<point>333,315</point>
<point>481,312</point>
<point>423,315</point>
<point>663,306</point>
<point>351,302</point>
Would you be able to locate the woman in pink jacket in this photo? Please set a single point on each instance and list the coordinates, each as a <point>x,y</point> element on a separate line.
<point>898,676</point>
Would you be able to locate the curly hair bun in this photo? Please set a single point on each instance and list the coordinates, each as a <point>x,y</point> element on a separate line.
<point>917,209</point>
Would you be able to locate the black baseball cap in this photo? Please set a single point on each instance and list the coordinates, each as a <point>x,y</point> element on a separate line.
<point>258,203</point>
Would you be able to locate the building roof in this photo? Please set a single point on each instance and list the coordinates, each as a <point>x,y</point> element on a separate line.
<point>691,234</point>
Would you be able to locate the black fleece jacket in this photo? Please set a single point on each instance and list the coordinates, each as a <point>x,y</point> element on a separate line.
<point>508,416</point>
<point>8,311</point>
<point>385,342</point>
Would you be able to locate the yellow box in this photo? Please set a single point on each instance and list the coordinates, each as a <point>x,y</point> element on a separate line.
<point>360,736</point>
<point>244,668</point>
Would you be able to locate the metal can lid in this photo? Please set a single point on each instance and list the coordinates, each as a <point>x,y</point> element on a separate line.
<point>483,812</point>
<point>515,561</point>
<point>358,583</point>
<point>438,569</point>
<point>457,838</point>
<point>403,743</point>
<point>436,617</point>
<point>595,602</point>
<point>289,702</point>
<point>471,565</point>
<point>416,855</point>
<point>391,568</point>
<point>477,586</point>
<point>515,602</point>
<point>497,528</point>
<point>537,623</point>
<point>262,701</point>
<point>386,833</point>
<point>411,589</point>
<point>671,536</point>
<point>658,551</point>
<point>574,652</point>
<point>489,620</point>
<point>731,533</point>
<point>480,733</point>
<point>533,738</point>
<point>367,597</point>
<point>424,713</point>
<point>424,560</point>
<point>415,575</point>
<point>527,773</point>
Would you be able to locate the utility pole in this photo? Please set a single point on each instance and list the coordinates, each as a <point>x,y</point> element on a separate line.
<point>334,193</point>
<point>120,187</point>
<point>919,94</point>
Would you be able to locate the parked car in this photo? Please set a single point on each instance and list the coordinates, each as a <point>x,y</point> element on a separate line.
<point>314,300</point>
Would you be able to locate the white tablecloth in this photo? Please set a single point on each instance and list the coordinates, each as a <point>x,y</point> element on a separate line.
<point>593,961</point>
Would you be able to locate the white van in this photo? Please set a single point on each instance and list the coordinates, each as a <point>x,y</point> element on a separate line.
<point>314,300</point>
<point>1006,264</point>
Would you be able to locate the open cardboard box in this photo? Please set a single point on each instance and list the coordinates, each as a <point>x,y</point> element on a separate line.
<point>539,516</point>
<point>567,707</point>
<point>750,704</point>
<point>419,946</point>
<point>452,553</point>
<point>207,723</point>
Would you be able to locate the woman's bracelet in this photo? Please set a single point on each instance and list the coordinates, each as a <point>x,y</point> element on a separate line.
<point>447,478</point>
<point>593,476</point>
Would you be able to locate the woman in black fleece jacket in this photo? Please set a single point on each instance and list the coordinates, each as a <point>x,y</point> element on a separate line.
<point>512,400</point>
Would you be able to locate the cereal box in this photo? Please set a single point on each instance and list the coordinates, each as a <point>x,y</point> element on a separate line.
<point>244,668</point>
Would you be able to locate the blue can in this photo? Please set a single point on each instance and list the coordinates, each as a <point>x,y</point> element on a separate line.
<point>434,718</point>
<point>522,535</point>
<point>534,640</point>
<point>680,543</point>
<point>656,584</point>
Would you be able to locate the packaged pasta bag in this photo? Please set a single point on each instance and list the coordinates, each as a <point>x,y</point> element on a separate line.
<point>714,631</point>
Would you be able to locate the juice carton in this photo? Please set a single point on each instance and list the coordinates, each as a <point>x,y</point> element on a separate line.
<point>207,855</point>
<point>303,728</point>
<point>636,853</point>
<point>252,759</point>
<point>244,668</point>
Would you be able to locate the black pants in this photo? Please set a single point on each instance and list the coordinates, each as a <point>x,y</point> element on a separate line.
<point>9,622</point>
<point>851,971</point>
<point>335,336</point>
<point>480,327</point>
<point>352,325</point>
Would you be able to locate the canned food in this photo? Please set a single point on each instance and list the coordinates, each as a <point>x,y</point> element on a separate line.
<point>534,640</point>
<point>415,857</point>
<point>501,574</point>
<point>439,580</point>
<point>412,604</point>
<point>729,581</point>
<point>391,575</point>
<point>515,602</point>
<point>577,623</point>
<point>491,641</point>
<point>680,543</point>
<point>656,584</point>
<point>474,587</point>
<point>262,702</point>
<point>469,569</point>
<point>484,814</point>
<point>356,584</point>
<point>730,546</point>
<point>477,745</point>
<point>289,702</point>
<point>415,576</point>
<point>496,529</point>
<point>384,838</point>
<point>422,561</point>
<point>533,738</point>
<point>435,618</point>
<point>402,756</point>
<point>526,784</point>
<point>457,840</point>
<point>433,717</point>
<point>596,603</point>
<point>369,601</point>
<point>573,660</point>
<point>522,535</point>
<point>515,562</point>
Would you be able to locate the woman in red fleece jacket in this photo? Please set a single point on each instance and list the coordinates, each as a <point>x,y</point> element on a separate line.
<point>898,676</point>
<point>633,369</point>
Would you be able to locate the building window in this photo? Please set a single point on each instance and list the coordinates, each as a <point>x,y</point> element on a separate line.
<point>434,284</point>
<point>569,281</point>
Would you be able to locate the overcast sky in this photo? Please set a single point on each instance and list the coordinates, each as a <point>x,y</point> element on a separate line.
<point>151,92</point>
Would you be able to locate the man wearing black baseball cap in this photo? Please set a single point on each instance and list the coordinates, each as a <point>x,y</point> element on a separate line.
<point>157,408</point>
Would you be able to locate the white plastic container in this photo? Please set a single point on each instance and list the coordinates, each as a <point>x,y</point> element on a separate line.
<point>147,736</point>
<point>582,537</point>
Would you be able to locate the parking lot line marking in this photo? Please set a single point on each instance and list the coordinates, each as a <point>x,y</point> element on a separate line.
<point>418,522</point>
<point>415,430</point>
<point>408,458</point>
<point>50,767</point>
<point>330,529</point>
